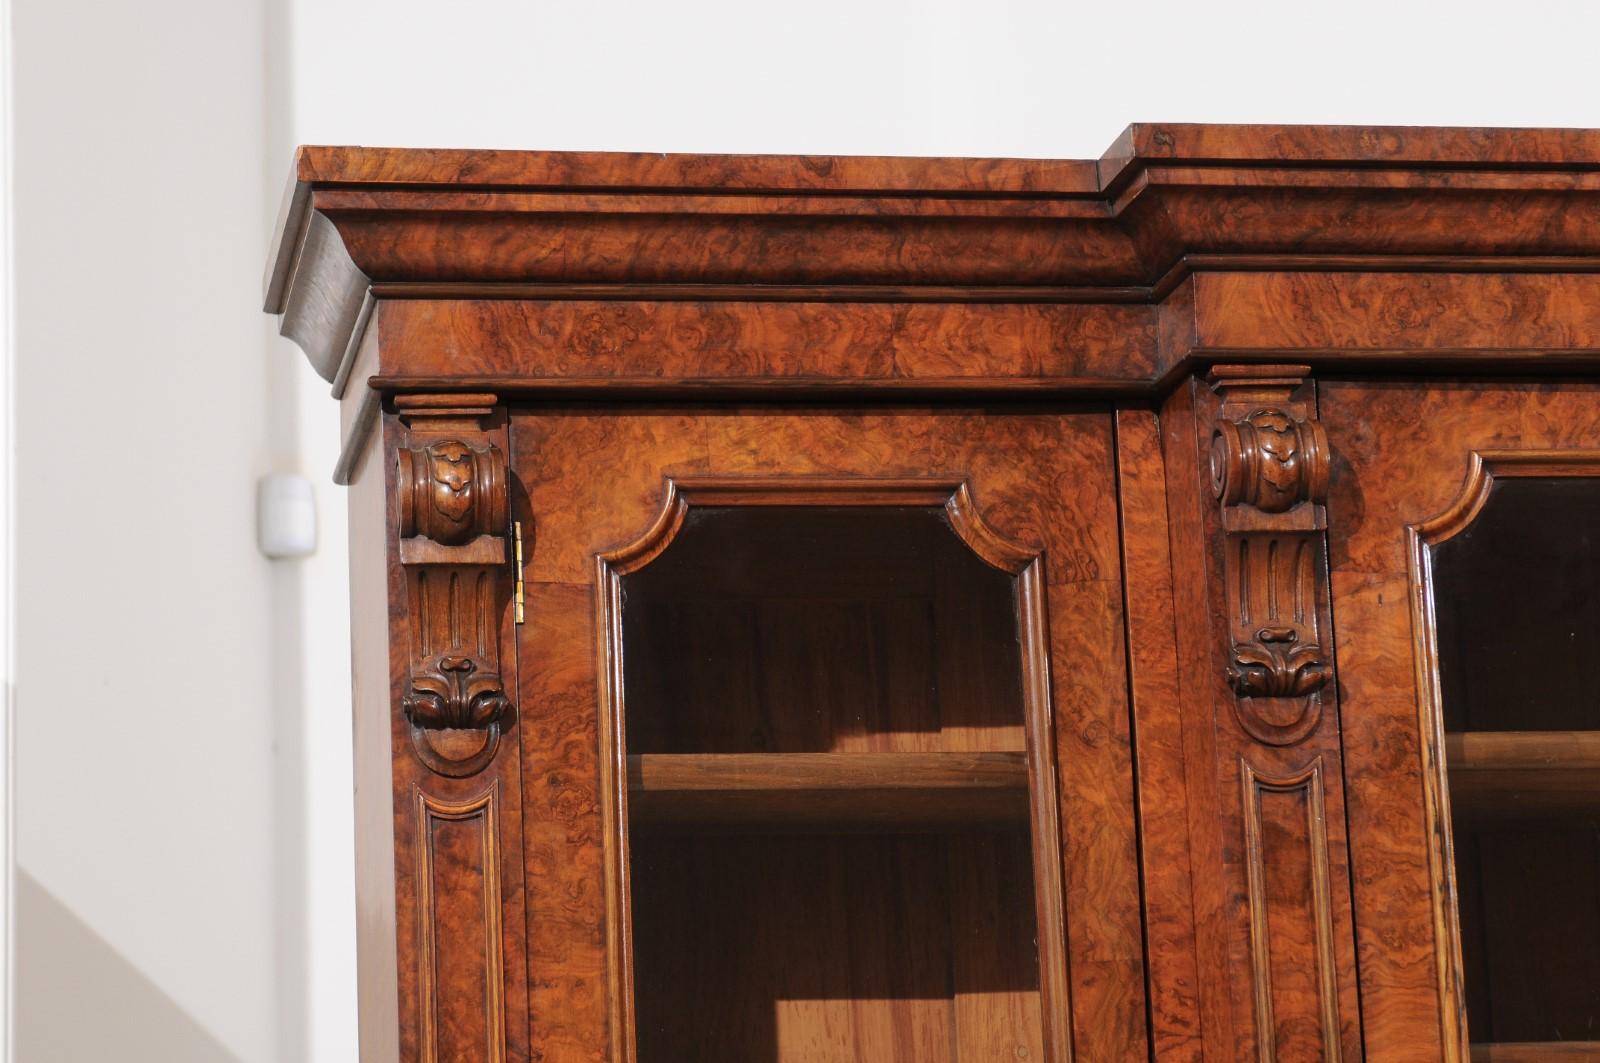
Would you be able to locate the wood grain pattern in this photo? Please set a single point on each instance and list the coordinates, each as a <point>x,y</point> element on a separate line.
<point>1225,1020</point>
<point>994,249</point>
<point>1158,741</point>
<point>842,789</point>
<point>450,994</point>
<point>1066,503</point>
<point>922,320</point>
<point>612,342</point>
<point>1224,873</point>
<point>1522,775</point>
<point>1290,891</point>
<point>558,723</point>
<point>1403,452</point>
<point>460,945</point>
<point>1432,314</point>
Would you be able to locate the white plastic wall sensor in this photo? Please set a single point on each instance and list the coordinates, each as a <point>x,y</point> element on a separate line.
<point>286,516</point>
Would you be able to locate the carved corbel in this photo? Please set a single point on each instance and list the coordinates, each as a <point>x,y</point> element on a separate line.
<point>453,508</point>
<point>1269,469</point>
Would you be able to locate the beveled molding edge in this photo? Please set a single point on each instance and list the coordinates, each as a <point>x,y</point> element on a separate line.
<point>1484,467</point>
<point>484,809</point>
<point>1023,561</point>
<point>1159,205</point>
<point>453,505</point>
<point>1269,468</point>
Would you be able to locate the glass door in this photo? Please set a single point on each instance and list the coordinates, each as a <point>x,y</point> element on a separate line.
<point>865,781</point>
<point>1516,598</point>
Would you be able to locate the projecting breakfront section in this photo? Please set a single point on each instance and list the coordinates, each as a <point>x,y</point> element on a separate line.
<point>876,611</point>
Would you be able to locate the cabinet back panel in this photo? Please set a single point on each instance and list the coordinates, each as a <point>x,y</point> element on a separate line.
<point>787,629</point>
<point>835,948</point>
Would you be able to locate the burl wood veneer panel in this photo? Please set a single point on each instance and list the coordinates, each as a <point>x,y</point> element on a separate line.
<point>595,480</point>
<point>1175,987</point>
<point>609,343</point>
<point>1428,315</point>
<point>1401,457</point>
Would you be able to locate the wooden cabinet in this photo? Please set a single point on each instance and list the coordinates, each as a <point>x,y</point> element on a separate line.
<point>859,610</point>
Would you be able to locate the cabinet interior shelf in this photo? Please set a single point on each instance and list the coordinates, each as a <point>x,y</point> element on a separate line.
<point>842,789</point>
<point>1536,1052</point>
<point>1518,774</point>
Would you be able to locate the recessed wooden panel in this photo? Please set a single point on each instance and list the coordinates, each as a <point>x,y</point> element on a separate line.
<point>1291,915</point>
<point>459,931</point>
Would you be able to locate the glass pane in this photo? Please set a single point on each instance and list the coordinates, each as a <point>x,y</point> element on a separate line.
<point>1517,598</point>
<point>828,832</point>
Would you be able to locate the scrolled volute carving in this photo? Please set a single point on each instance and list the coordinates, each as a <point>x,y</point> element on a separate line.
<point>451,492</point>
<point>453,514</point>
<point>1271,460</point>
<point>1269,467</point>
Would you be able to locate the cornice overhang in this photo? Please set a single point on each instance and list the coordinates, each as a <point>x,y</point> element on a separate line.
<point>361,225</point>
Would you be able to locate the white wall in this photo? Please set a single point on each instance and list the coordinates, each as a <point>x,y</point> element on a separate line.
<point>146,697</point>
<point>183,732</point>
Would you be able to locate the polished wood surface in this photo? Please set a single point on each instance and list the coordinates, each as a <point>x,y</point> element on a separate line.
<point>1063,503</point>
<point>994,245</point>
<point>1418,458</point>
<point>1267,828</point>
<point>828,788</point>
<point>1474,751</point>
<point>1228,835</point>
<point>824,955</point>
<point>1537,1052</point>
<point>1522,775</point>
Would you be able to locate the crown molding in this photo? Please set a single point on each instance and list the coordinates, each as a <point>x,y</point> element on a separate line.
<point>1165,201</point>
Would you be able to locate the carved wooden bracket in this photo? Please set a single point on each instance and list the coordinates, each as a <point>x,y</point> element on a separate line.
<point>1269,468</point>
<point>453,504</point>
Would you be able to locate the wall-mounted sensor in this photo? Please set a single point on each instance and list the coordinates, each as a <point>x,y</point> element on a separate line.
<point>286,516</point>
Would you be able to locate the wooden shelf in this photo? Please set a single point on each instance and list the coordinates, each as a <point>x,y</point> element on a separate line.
<point>1536,1052</point>
<point>863,789</point>
<point>1519,774</point>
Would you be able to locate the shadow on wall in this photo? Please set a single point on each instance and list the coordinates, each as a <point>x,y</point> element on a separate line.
<point>81,1000</point>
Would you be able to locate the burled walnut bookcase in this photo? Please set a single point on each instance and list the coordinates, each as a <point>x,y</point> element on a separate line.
<point>871,610</point>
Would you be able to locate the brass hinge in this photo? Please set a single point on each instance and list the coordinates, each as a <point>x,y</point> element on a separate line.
<point>516,591</point>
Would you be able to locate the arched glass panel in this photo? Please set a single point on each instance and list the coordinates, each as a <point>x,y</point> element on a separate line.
<point>1517,614</point>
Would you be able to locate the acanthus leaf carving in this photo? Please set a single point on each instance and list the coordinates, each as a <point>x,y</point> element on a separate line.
<point>451,693</point>
<point>1274,667</point>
